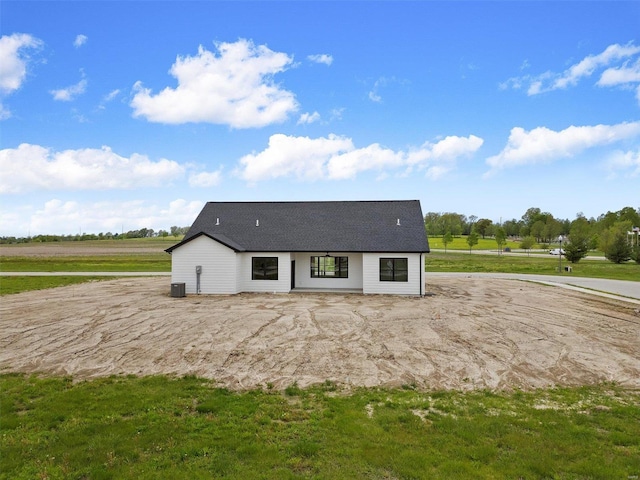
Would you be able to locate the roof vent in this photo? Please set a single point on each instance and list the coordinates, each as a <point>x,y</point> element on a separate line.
<point>257,223</point>
<point>398,223</point>
<point>217,221</point>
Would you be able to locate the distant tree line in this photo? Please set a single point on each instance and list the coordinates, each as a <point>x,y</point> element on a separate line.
<point>609,232</point>
<point>174,231</point>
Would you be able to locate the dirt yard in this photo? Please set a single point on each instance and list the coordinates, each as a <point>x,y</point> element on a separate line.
<point>472,333</point>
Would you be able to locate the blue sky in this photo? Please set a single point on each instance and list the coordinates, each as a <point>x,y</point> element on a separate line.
<point>122,115</point>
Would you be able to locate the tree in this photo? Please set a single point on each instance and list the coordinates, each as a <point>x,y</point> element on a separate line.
<point>527,244</point>
<point>537,230</point>
<point>635,254</point>
<point>433,223</point>
<point>452,222</point>
<point>512,227</point>
<point>531,216</point>
<point>552,228</point>
<point>628,214</point>
<point>175,231</point>
<point>500,237</point>
<point>472,239</point>
<point>446,239</point>
<point>482,226</point>
<point>576,249</point>
<point>614,243</point>
<point>470,224</point>
<point>579,240</point>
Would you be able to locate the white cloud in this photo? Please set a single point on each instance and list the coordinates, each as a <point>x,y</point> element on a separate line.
<point>80,40</point>
<point>626,162</point>
<point>302,157</point>
<point>335,157</point>
<point>549,81</point>
<point>380,83</point>
<point>68,217</point>
<point>620,75</point>
<point>321,58</point>
<point>374,97</point>
<point>13,64</point>
<point>109,97</point>
<point>542,145</point>
<point>70,93</point>
<point>4,112</point>
<point>336,113</point>
<point>205,179</point>
<point>627,75</point>
<point>13,60</point>
<point>589,64</point>
<point>373,157</point>
<point>437,171</point>
<point>232,87</point>
<point>33,167</point>
<point>307,118</point>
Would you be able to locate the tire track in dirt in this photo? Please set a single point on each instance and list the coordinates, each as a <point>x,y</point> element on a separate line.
<point>472,333</point>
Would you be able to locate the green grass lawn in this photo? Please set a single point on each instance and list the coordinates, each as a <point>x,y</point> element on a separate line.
<point>159,427</point>
<point>142,262</point>
<point>460,243</point>
<point>543,265</point>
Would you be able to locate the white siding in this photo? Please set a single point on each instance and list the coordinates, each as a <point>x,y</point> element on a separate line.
<point>371,274</point>
<point>282,285</point>
<point>303,272</point>
<point>218,266</point>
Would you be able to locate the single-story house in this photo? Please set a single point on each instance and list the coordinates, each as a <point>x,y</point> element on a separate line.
<point>363,246</point>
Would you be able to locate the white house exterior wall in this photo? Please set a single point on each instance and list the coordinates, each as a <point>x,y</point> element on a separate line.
<point>371,275</point>
<point>282,285</point>
<point>303,272</point>
<point>218,264</point>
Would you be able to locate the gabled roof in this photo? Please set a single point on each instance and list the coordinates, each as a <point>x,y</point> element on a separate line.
<point>353,226</point>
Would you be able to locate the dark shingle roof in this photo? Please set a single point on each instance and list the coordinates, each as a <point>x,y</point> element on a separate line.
<point>354,226</point>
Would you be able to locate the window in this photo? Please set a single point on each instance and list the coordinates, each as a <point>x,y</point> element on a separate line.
<point>394,270</point>
<point>329,267</point>
<point>264,268</point>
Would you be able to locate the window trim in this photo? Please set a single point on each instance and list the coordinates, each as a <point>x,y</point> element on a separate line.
<point>263,267</point>
<point>341,262</point>
<point>395,272</point>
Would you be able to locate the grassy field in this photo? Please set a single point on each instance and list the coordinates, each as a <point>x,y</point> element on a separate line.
<point>143,262</point>
<point>160,242</point>
<point>159,427</point>
<point>543,265</point>
<point>460,243</point>
<point>453,261</point>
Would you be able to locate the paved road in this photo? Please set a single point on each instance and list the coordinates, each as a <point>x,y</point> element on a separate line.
<point>597,286</point>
